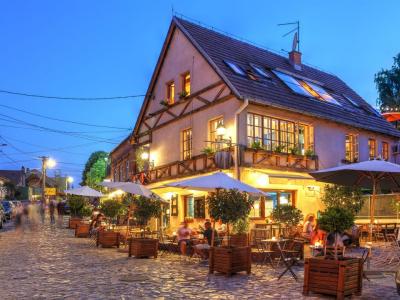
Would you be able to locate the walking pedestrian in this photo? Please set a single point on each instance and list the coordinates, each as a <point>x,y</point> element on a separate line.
<point>42,210</point>
<point>52,209</point>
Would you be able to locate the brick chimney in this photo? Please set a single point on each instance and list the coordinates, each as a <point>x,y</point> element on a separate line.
<point>295,59</point>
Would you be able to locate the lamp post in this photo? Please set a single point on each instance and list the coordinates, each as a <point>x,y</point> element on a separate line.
<point>47,162</point>
<point>69,181</point>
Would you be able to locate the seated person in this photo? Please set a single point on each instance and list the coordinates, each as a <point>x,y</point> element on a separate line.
<point>95,224</point>
<point>317,235</point>
<point>184,233</point>
<point>202,249</point>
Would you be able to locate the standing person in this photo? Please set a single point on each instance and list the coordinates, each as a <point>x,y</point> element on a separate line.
<point>42,210</point>
<point>52,209</point>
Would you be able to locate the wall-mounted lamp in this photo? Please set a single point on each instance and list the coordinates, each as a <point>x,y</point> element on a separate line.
<point>221,132</point>
<point>144,155</point>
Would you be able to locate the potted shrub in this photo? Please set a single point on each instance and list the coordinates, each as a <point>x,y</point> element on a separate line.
<point>279,148</point>
<point>143,210</point>
<point>334,276</point>
<point>229,206</point>
<point>207,151</point>
<point>111,208</point>
<point>287,215</point>
<point>82,229</point>
<point>240,238</point>
<point>183,95</point>
<point>76,204</point>
<point>256,145</point>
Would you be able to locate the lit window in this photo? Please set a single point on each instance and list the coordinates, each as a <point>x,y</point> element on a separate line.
<point>322,93</point>
<point>195,207</point>
<point>235,68</point>
<point>171,92</point>
<point>256,210</point>
<point>260,71</point>
<point>292,83</point>
<point>213,133</point>
<point>385,150</point>
<point>351,148</point>
<point>186,84</point>
<point>187,144</point>
<point>306,88</point>
<point>273,134</point>
<point>372,148</point>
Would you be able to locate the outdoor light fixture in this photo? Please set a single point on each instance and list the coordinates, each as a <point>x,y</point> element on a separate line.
<point>144,155</point>
<point>50,163</point>
<point>70,179</point>
<point>221,130</point>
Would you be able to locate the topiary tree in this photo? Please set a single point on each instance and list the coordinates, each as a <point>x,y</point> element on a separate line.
<point>229,206</point>
<point>350,198</point>
<point>145,209</point>
<point>111,208</point>
<point>287,214</point>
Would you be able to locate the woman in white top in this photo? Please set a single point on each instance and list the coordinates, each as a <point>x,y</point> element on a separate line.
<point>308,227</point>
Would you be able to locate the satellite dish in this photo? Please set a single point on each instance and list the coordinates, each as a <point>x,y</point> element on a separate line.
<point>295,42</point>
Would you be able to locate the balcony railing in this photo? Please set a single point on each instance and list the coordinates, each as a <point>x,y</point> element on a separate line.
<point>224,160</point>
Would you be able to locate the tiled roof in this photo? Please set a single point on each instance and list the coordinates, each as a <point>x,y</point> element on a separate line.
<point>15,176</point>
<point>217,47</point>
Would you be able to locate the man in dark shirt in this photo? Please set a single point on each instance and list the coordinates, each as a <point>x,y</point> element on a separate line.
<point>203,248</point>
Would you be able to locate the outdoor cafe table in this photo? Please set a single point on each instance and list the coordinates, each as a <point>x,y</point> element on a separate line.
<point>278,242</point>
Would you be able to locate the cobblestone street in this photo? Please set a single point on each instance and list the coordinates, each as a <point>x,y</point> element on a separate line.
<point>51,264</point>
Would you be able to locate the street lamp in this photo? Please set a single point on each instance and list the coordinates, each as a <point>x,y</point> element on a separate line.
<point>47,162</point>
<point>69,180</point>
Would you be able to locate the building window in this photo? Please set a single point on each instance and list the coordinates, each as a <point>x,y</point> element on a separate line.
<point>186,84</point>
<point>186,144</point>
<point>385,150</point>
<point>195,207</point>
<point>263,206</point>
<point>213,124</point>
<point>127,169</point>
<point>351,148</point>
<point>115,174</point>
<point>171,92</point>
<point>372,148</point>
<point>278,135</point>
<point>235,68</point>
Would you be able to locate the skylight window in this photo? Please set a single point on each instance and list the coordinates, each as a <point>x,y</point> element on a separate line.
<point>351,100</point>
<point>260,71</point>
<point>292,83</point>
<point>306,88</point>
<point>324,94</point>
<point>235,68</point>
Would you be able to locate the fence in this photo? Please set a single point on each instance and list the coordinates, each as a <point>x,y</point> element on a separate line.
<point>386,207</point>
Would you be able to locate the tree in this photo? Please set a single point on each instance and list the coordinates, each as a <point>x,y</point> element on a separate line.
<point>287,214</point>
<point>95,169</point>
<point>350,198</point>
<point>145,209</point>
<point>388,85</point>
<point>112,208</point>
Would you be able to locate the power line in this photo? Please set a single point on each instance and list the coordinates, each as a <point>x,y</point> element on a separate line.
<point>62,120</point>
<point>77,132</point>
<point>72,98</point>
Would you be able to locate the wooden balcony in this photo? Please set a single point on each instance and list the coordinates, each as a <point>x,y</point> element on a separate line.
<point>249,158</point>
<point>282,161</point>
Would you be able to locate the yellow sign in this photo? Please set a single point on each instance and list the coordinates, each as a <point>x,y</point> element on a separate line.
<point>50,191</point>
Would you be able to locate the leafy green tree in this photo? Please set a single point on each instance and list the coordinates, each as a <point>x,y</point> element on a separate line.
<point>229,206</point>
<point>76,204</point>
<point>145,209</point>
<point>336,220</point>
<point>287,214</point>
<point>112,208</point>
<point>350,198</point>
<point>388,85</point>
<point>95,169</point>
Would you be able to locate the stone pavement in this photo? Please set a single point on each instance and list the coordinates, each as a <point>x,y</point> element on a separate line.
<point>50,263</point>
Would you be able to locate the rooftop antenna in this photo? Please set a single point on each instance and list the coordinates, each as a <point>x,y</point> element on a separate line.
<point>296,37</point>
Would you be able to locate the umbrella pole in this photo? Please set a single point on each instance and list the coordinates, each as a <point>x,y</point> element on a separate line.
<point>372,206</point>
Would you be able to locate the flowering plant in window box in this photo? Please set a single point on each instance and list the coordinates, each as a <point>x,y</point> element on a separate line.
<point>294,150</point>
<point>279,148</point>
<point>208,151</point>
<point>310,153</point>
<point>183,94</point>
<point>256,145</point>
<point>164,103</point>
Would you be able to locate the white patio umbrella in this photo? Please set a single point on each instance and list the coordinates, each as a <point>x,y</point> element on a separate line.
<point>84,191</point>
<point>219,180</point>
<point>132,188</point>
<point>367,174</point>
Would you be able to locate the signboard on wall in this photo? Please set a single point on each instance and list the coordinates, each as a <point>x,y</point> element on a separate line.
<point>50,191</point>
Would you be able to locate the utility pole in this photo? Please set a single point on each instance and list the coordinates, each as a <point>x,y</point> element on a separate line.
<point>47,162</point>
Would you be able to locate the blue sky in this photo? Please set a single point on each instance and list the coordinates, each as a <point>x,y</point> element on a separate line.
<point>109,48</point>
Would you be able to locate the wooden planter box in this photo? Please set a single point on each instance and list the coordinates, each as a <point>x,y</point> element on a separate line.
<point>82,230</point>
<point>143,247</point>
<point>340,278</point>
<point>239,240</point>
<point>73,222</point>
<point>108,239</point>
<point>230,260</point>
